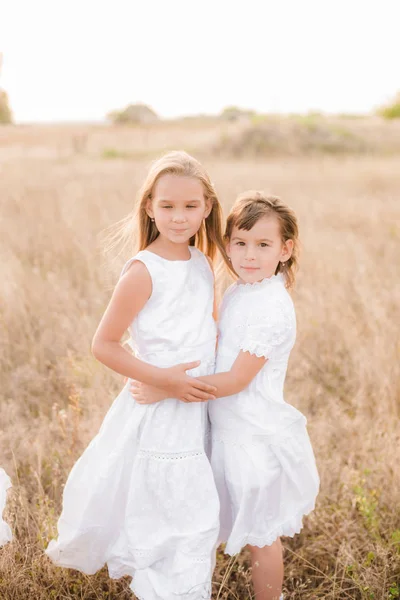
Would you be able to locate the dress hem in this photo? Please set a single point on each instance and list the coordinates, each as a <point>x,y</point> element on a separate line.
<point>64,565</point>
<point>289,528</point>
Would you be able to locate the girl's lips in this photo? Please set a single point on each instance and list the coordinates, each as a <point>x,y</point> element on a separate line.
<point>250,268</point>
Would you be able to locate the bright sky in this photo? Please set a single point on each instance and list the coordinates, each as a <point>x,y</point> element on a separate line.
<point>79,59</point>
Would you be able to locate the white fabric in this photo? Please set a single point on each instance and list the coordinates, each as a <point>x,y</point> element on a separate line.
<point>142,497</point>
<point>262,458</point>
<point>5,484</point>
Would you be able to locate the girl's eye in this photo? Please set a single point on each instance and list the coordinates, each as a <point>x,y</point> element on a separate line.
<point>191,206</point>
<point>263,245</point>
<point>167,206</point>
<point>240,243</point>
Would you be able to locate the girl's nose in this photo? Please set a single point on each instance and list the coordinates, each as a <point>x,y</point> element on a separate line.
<point>249,254</point>
<point>179,218</point>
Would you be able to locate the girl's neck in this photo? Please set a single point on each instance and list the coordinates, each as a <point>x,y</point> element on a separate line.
<point>169,250</point>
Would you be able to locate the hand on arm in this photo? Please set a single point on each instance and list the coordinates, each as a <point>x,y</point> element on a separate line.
<point>243,371</point>
<point>149,394</point>
<point>130,295</point>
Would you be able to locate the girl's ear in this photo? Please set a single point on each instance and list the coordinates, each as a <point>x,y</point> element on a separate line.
<point>228,249</point>
<point>208,208</point>
<point>287,250</point>
<point>149,209</point>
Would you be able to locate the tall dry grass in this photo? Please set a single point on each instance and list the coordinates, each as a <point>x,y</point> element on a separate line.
<point>343,374</point>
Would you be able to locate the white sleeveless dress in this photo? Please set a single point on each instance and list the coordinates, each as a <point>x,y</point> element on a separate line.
<point>142,497</point>
<point>5,531</point>
<point>262,458</point>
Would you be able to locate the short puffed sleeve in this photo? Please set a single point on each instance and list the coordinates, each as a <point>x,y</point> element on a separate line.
<point>270,327</point>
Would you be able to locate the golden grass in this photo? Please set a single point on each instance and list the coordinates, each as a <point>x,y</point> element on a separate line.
<point>55,198</point>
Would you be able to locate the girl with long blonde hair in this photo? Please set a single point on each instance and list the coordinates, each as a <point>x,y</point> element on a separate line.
<point>142,498</point>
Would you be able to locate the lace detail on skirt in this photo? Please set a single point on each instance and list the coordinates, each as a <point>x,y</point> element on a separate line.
<point>170,456</point>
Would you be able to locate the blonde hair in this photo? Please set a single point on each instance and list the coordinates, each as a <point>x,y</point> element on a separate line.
<point>138,231</point>
<point>253,205</point>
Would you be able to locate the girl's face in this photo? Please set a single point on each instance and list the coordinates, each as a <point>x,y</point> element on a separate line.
<point>255,254</point>
<point>178,207</point>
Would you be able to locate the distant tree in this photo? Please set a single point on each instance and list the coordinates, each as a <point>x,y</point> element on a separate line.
<point>233,113</point>
<point>134,113</point>
<point>392,109</point>
<point>5,110</point>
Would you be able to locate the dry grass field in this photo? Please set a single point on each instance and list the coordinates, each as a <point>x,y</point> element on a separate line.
<point>59,188</point>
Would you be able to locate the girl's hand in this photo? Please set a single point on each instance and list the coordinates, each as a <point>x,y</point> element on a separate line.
<point>183,387</point>
<point>146,394</point>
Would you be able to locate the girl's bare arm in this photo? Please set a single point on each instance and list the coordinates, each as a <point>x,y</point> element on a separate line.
<point>242,372</point>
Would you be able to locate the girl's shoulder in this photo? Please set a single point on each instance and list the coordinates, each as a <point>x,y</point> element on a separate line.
<point>275,291</point>
<point>275,296</point>
<point>143,257</point>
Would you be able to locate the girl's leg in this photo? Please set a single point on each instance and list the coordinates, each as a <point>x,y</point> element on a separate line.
<point>267,571</point>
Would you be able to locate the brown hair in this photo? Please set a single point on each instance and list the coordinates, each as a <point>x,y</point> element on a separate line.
<point>207,239</point>
<point>252,206</point>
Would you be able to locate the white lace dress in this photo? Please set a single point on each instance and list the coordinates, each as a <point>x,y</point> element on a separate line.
<point>5,484</point>
<point>142,497</point>
<point>262,458</point>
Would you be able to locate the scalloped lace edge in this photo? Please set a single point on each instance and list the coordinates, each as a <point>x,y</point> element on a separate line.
<point>257,350</point>
<point>266,280</point>
<point>287,529</point>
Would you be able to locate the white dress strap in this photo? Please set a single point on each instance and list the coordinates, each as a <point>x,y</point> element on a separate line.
<point>145,257</point>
